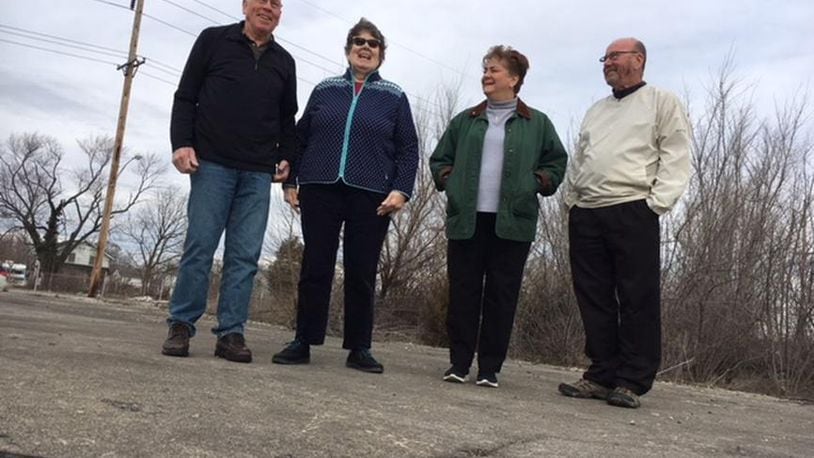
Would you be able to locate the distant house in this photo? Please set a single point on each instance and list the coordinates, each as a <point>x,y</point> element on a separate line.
<point>84,255</point>
<point>80,263</point>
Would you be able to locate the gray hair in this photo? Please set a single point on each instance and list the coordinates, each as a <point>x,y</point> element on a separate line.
<point>366,26</point>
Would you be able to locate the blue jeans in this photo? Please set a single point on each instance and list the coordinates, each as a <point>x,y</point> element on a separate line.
<point>236,201</point>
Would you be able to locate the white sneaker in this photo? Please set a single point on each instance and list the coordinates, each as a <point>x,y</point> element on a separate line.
<point>454,376</point>
<point>487,380</point>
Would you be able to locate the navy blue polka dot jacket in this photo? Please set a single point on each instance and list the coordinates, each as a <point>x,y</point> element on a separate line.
<point>367,140</point>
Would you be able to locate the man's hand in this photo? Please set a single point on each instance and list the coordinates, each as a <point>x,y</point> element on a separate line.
<point>185,160</point>
<point>393,203</point>
<point>282,172</point>
<point>291,196</point>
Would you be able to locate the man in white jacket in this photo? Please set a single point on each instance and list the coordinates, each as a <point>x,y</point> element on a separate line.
<point>631,165</point>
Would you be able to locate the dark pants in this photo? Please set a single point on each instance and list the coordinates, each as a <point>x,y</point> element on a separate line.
<point>616,272</point>
<point>485,273</point>
<point>324,209</point>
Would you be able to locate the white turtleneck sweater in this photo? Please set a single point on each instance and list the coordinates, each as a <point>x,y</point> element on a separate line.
<point>491,165</point>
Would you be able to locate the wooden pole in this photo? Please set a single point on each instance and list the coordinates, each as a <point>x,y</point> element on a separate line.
<point>129,73</point>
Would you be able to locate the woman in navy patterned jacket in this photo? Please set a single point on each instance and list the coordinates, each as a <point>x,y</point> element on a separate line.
<point>356,165</point>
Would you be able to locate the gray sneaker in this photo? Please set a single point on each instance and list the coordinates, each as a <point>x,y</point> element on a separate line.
<point>583,388</point>
<point>623,397</point>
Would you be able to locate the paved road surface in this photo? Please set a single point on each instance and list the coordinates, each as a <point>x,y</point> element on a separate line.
<point>81,377</point>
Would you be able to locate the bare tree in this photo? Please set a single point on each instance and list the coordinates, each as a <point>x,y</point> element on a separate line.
<point>282,278</point>
<point>157,232</point>
<point>13,246</point>
<point>275,293</point>
<point>59,206</point>
<point>412,265</point>
<point>548,326</point>
<point>738,271</point>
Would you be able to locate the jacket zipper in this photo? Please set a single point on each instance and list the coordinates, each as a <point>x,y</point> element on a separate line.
<point>346,140</point>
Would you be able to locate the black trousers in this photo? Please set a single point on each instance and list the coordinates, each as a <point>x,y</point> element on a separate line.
<point>324,210</point>
<point>615,265</point>
<point>485,273</point>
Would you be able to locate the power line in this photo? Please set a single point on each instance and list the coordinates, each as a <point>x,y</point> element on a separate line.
<point>170,83</point>
<point>168,24</point>
<point>57,42</point>
<point>81,45</point>
<point>161,21</point>
<point>77,56</point>
<point>213,8</point>
<point>190,11</point>
<point>162,70</point>
<point>59,52</point>
<point>405,47</point>
<point>169,68</point>
<point>290,43</point>
<point>173,26</point>
<point>113,4</point>
<point>277,36</point>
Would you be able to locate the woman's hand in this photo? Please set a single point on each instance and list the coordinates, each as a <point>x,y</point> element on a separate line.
<point>291,197</point>
<point>393,203</point>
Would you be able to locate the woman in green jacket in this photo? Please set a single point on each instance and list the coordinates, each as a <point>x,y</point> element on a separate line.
<point>492,161</point>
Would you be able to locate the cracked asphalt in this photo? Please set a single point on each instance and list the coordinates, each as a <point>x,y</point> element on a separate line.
<point>85,377</point>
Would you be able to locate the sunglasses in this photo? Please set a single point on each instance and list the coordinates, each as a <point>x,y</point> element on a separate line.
<point>359,41</point>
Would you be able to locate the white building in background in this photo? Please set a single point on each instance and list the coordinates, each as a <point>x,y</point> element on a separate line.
<point>84,255</point>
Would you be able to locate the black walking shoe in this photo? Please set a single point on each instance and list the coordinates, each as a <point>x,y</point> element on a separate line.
<point>296,352</point>
<point>455,375</point>
<point>585,389</point>
<point>363,361</point>
<point>177,343</point>
<point>487,379</point>
<point>623,397</point>
<point>232,347</point>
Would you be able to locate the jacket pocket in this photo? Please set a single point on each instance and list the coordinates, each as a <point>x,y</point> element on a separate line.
<point>526,204</point>
<point>452,189</point>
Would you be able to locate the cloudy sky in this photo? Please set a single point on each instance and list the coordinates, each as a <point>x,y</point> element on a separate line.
<point>51,82</point>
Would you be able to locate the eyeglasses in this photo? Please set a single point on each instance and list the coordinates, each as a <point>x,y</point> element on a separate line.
<point>372,42</point>
<point>615,55</point>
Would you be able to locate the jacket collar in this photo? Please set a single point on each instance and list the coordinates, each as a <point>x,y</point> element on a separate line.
<point>626,92</point>
<point>370,78</point>
<point>235,32</point>
<point>523,110</point>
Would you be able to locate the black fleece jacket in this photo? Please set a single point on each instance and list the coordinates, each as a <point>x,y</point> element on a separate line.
<point>236,110</point>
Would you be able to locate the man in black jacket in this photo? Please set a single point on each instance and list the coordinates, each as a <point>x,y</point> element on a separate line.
<point>232,130</point>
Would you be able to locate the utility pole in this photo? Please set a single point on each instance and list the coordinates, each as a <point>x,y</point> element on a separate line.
<point>129,69</point>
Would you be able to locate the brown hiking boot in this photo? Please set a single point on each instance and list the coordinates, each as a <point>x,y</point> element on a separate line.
<point>177,343</point>
<point>232,347</point>
<point>583,388</point>
<point>623,397</point>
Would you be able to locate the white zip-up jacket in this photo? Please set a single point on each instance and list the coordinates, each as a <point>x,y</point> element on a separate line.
<point>636,147</point>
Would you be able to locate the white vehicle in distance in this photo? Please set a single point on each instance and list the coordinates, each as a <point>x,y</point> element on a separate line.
<point>3,280</point>
<point>17,275</point>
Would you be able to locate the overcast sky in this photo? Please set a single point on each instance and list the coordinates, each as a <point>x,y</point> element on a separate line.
<point>436,42</point>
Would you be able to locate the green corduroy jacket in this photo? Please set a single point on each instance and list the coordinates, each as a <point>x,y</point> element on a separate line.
<point>534,162</point>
